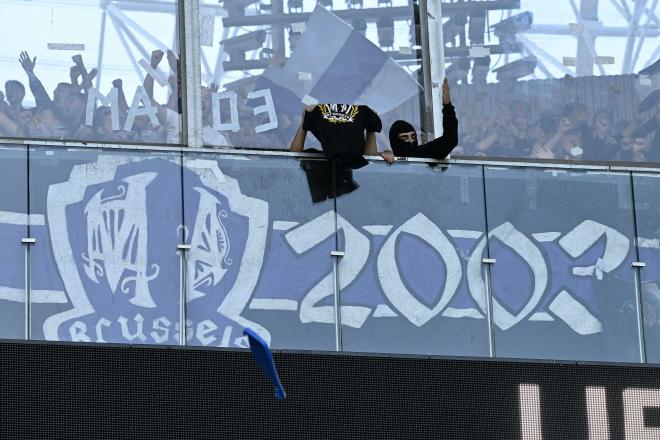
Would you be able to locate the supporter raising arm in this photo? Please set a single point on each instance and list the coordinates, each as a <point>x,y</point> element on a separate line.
<point>36,87</point>
<point>298,142</point>
<point>79,70</point>
<point>168,114</point>
<point>403,137</point>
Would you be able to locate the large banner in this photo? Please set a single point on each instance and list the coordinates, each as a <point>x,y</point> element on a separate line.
<point>106,267</point>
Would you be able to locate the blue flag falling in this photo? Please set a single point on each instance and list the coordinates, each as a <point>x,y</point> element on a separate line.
<point>264,358</point>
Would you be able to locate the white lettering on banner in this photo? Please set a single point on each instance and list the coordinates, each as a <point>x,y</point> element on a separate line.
<point>226,336</point>
<point>392,283</point>
<point>211,242</point>
<point>158,75</point>
<point>206,332</point>
<point>576,315</point>
<point>117,238</point>
<point>218,124</point>
<point>585,235</point>
<point>531,254</point>
<point>142,105</point>
<point>135,110</point>
<point>309,235</point>
<point>162,324</point>
<point>99,329</point>
<point>189,331</point>
<point>139,324</point>
<point>313,233</point>
<point>525,248</point>
<point>249,268</point>
<point>544,237</point>
<point>268,107</point>
<point>78,332</point>
<point>111,100</point>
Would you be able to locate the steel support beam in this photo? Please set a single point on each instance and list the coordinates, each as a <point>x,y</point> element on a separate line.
<point>642,37</point>
<point>369,14</point>
<point>584,65</point>
<point>586,38</point>
<point>596,29</point>
<point>191,81</point>
<point>99,60</point>
<point>633,25</point>
<point>437,61</point>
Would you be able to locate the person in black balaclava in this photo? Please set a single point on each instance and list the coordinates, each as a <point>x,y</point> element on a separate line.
<point>403,137</point>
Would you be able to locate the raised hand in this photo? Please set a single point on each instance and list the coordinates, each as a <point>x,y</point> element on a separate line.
<point>27,63</point>
<point>117,83</point>
<point>172,61</point>
<point>74,73</point>
<point>156,57</point>
<point>88,77</point>
<point>78,61</point>
<point>446,99</point>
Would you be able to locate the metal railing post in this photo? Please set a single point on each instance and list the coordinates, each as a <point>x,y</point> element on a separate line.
<point>336,256</point>
<point>183,272</point>
<point>191,81</point>
<point>487,263</point>
<point>636,267</point>
<point>28,242</point>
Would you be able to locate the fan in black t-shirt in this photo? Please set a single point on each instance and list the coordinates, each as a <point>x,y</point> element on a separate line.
<point>403,137</point>
<point>340,128</point>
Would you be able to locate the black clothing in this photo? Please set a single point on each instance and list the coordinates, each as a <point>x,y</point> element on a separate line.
<point>596,148</point>
<point>320,177</point>
<point>340,130</point>
<point>436,149</point>
<point>522,146</point>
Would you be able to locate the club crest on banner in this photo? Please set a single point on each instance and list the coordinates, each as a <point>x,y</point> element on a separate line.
<point>114,226</point>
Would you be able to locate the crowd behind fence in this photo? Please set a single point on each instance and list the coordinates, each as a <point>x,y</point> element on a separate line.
<point>587,118</point>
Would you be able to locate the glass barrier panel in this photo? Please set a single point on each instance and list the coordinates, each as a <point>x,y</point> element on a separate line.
<point>647,209</point>
<point>104,71</point>
<point>106,250</point>
<point>555,80</point>
<point>261,230</point>
<point>410,279</point>
<point>562,284</point>
<point>263,62</point>
<point>13,228</point>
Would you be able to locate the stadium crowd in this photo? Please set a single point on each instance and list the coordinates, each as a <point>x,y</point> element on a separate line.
<point>571,133</point>
<point>63,115</point>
